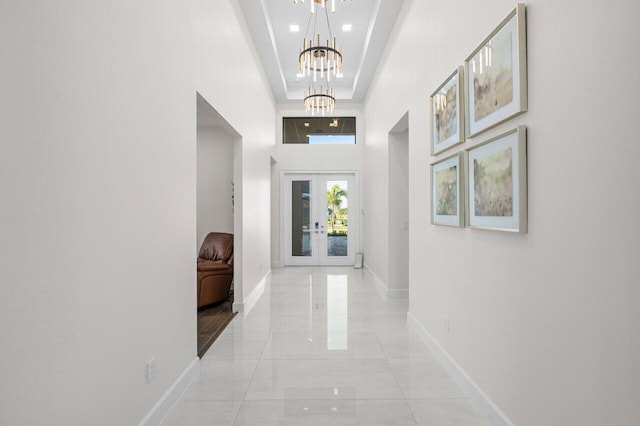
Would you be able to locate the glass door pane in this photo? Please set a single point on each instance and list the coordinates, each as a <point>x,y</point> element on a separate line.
<point>337,218</point>
<point>301,218</point>
<point>320,218</point>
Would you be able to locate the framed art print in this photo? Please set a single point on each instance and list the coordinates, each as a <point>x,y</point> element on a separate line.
<point>447,190</point>
<point>496,75</point>
<point>447,113</point>
<point>497,183</point>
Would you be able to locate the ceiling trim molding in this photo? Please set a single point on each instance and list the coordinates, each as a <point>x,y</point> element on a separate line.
<point>367,44</point>
<point>375,20</point>
<point>272,39</point>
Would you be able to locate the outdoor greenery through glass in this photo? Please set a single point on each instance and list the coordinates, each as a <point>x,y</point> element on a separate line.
<point>337,218</point>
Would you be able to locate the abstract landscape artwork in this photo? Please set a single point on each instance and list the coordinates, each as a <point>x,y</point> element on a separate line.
<point>446,114</point>
<point>447,111</point>
<point>447,191</point>
<point>497,196</point>
<point>496,75</point>
<point>493,77</point>
<point>493,182</point>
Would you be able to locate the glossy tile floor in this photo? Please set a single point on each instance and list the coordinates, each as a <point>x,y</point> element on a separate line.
<point>322,347</point>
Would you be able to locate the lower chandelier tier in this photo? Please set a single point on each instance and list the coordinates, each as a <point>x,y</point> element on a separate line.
<point>321,102</point>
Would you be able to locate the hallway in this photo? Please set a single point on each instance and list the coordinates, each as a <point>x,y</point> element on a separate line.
<point>322,347</point>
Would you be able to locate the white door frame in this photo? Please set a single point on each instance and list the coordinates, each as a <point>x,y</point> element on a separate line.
<point>354,220</point>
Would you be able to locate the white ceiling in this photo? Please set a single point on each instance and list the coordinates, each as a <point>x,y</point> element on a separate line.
<point>362,47</point>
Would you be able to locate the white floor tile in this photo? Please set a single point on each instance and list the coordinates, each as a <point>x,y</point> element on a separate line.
<point>323,379</point>
<point>316,352</point>
<point>446,412</point>
<point>404,346</point>
<point>424,378</point>
<point>330,345</point>
<point>390,325</point>
<point>221,380</point>
<point>325,412</point>
<point>202,413</point>
<point>251,324</point>
<point>238,346</point>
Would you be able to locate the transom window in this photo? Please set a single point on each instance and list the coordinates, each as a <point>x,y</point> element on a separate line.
<point>319,130</point>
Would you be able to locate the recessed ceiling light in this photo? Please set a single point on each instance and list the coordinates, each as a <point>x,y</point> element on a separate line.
<point>339,75</point>
<point>294,28</point>
<point>299,75</point>
<point>346,27</point>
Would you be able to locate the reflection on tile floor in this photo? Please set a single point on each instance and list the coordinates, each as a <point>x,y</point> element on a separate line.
<point>322,347</point>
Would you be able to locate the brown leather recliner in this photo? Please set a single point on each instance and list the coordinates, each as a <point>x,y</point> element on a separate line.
<point>215,268</point>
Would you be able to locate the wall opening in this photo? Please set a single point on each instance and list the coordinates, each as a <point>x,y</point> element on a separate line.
<point>217,189</point>
<point>399,205</point>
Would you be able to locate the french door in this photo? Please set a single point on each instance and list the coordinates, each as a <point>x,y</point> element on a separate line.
<point>320,218</point>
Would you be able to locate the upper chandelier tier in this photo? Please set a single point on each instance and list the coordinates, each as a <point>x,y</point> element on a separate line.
<point>322,3</point>
<point>317,58</point>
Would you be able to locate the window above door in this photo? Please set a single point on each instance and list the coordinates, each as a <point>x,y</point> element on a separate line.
<point>319,130</point>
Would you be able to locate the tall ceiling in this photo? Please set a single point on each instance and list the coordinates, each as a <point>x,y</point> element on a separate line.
<point>371,23</point>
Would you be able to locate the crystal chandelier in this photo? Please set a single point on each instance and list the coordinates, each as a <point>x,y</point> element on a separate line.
<point>321,2</point>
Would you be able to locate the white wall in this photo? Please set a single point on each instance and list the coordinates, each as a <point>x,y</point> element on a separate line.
<point>98,189</point>
<point>301,157</point>
<point>215,175</point>
<point>229,77</point>
<point>547,323</point>
<point>398,209</point>
<point>98,219</point>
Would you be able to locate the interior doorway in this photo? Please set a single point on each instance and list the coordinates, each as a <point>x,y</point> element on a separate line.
<point>216,188</point>
<point>399,205</point>
<point>320,218</point>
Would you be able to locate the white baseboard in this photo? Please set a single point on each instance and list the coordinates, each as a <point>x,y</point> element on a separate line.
<point>250,301</point>
<point>172,394</point>
<point>487,407</point>
<point>276,264</point>
<point>386,292</point>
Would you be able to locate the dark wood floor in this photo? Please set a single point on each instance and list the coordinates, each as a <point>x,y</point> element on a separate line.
<point>211,322</point>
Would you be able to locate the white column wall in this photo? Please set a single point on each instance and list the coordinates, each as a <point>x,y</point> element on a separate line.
<point>398,229</point>
<point>230,78</point>
<point>98,189</point>
<point>547,323</point>
<point>98,137</point>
